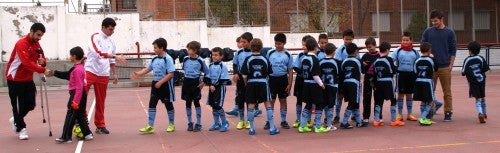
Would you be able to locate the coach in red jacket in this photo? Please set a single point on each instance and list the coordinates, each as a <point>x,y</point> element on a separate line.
<point>26,58</point>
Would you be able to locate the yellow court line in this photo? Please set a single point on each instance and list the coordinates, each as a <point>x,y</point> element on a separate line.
<point>422,146</point>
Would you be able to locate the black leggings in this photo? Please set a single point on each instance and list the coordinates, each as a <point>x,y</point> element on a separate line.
<point>76,115</point>
<point>196,103</point>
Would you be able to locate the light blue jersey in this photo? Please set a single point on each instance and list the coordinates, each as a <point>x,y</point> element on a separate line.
<point>341,53</point>
<point>239,58</point>
<point>281,62</point>
<point>193,67</point>
<point>161,66</point>
<point>405,60</point>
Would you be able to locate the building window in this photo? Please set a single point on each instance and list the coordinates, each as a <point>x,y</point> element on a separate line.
<point>405,19</point>
<point>457,20</point>
<point>332,22</point>
<point>129,4</point>
<point>385,22</point>
<point>299,22</point>
<point>482,20</point>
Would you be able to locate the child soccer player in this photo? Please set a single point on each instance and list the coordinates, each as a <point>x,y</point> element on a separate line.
<point>322,41</point>
<point>216,80</point>
<point>234,111</point>
<point>424,86</point>
<point>193,65</point>
<point>162,86</point>
<point>351,75</point>
<point>239,58</point>
<point>280,81</point>
<point>255,70</point>
<point>299,81</point>
<point>405,57</point>
<point>330,76</point>
<point>77,97</point>
<point>474,68</point>
<point>384,70</point>
<point>312,87</point>
<point>368,79</point>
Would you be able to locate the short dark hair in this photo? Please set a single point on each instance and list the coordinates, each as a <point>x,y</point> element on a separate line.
<point>311,44</point>
<point>37,26</point>
<point>238,39</point>
<point>161,43</point>
<point>256,45</point>
<point>280,37</point>
<point>108,22</point>
<point>77,52</point>
<point>384,47</point>
<point>348,32</point>
<point>217,50</point>
<point>407,34</point>
<point>474,47</point>
<point>351,48</point>
<point>437,14</point>
<point>425,47</point>
<point>330,48</point>
<point>322,36</point>
<point>194,45</point>
<point>304,39</point>
<point>370,41</point>
<point>247,36</point>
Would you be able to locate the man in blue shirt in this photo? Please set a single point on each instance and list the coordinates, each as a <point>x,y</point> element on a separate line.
<point>443,40</point>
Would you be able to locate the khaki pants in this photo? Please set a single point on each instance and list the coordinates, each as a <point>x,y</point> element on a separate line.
<point>444,75</point>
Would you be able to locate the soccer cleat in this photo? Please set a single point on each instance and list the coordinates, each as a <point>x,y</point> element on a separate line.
<point>397,123</point>
<point>399,117</point>
<point>321,130</point>
<point>336,119</point>
<point>365,123</point>
<point>171,127</point>
<point>251,132</point>
<point>233,112</point>
<point>247,124</point>
<point>331,128</point>
<point>304,129</point>
<point>61,140</point>
<point>345,126</point>
<point>11,120</point>
<point>224,126</point>
<point>309,124</point>
<point>296,124</point>
<point>481,118</point>
<point>197,128</point>
<point>424,121</point>
<point>101,131</point>
<point>77,131</point>
<point>190,126</point>
<point>214,127</point>
<point>447,117</point>
<point>267,126</point>
<point>240,125</point>
<point>285,125</point>
<point>147,129</point>
<point>23,134</point>
<point>88,137</point>
<point>410,117</point>
<point>274,131</point>
<point>378,123</point>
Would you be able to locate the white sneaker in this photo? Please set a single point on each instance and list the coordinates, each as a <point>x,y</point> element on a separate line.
<point>89,137</point>
<point>23,134</point>
<point>331,128</point>
<point>11,120</point>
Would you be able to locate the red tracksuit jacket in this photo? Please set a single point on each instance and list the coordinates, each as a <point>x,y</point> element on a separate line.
<point>23,61</point>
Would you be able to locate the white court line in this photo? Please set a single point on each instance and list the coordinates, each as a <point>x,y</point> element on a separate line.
<point>89,117</point>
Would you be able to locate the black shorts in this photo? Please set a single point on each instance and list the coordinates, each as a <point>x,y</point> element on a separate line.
<point>163,93</point>
<point>278,86</point>
<point>190,90</point>
<point>351,92</point>
<point>477,90</point>
<point>384,90</point>
<point>257,92</point>
<point>405,82</point>
<point>424,91</point>
<point>297,89</point>
<point>312,93</point>
<point>330,96</point>
<point>216,98</point>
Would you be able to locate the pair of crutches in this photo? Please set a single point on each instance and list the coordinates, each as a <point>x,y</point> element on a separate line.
<point>43,93</point>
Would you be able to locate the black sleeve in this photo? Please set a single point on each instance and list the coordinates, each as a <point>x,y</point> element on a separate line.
<point>316,69</point>
<point>485,67</point>
<point>244,69</point>
<point>63,74</point>
<point>363,59</point>
<point>269,67</point>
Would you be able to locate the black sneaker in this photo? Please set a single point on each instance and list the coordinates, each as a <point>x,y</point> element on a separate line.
<point>61,140</point>
<point>197,128</point>
<point>336,119</point>
<point>267,126</point>
<point>190,126</point>
<point>481,118</point>
<point>101,131</point>
<point>447,116</point>
<point>365,124</point>
<point>285,125</point>
<point>345,126</point>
